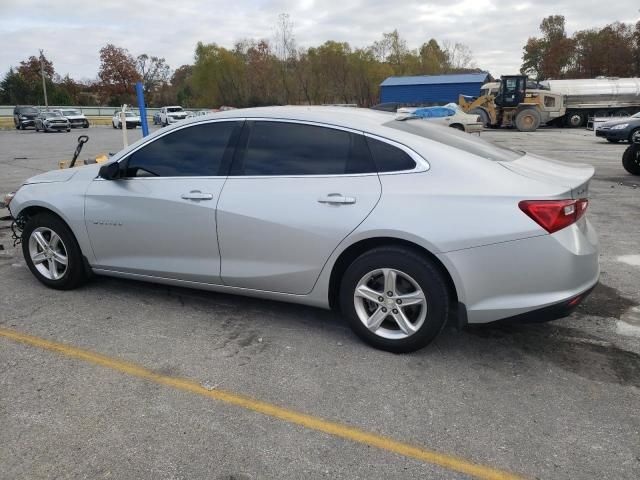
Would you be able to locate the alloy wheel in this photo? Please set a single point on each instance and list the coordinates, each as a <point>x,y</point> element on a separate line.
<point>48,253</point>
<point>390,303</point>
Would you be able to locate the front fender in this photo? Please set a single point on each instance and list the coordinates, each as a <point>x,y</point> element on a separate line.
<point>65,199</point>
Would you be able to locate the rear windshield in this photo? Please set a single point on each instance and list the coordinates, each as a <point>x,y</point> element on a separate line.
<point>453,138</point>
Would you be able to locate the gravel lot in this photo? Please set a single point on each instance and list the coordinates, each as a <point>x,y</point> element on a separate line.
<point>555,401</point>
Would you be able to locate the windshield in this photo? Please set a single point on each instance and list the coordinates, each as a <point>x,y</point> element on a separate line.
<point>52,114</point>
<point>462,141</point>
<point>27,110</point>
<point>174,109</point>
<point>637,115</point>
<point>71,112</point>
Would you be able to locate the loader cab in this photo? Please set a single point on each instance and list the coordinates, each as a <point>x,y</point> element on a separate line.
<point>512,91</point>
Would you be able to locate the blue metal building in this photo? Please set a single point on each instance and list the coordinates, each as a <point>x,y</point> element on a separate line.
<point>431,89</point>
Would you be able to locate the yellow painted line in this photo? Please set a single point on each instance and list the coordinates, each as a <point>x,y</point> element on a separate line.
<point>308,421</point>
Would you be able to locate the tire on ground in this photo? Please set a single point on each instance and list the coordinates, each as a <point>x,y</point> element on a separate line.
<point>423,271</point>
<point>75,273</point>
<point>527,120</point>
<point>631,159</point>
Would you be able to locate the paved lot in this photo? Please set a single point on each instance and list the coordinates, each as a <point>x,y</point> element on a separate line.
<point>554,401</point>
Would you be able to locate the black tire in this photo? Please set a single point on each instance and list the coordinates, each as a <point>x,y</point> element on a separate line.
<point>425,274</point>
<point>633,132</point>
<point>527,120</point>
<point>457,126</point>
<point>575,119</point>
<point>613,140</point>
<point>37,129</point>
<point>631,159</point>
<point>86,125</point>
<point>113,124</point>
<point>75,273</point>
<point>68,129</point>
<point>18,126</point>
<point>484,116</point>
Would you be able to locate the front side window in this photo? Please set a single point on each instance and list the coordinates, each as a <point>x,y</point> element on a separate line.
<point>197,150</point>
<point>282,148</point>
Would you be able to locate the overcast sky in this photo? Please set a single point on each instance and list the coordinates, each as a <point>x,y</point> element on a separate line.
<point>71,32</point>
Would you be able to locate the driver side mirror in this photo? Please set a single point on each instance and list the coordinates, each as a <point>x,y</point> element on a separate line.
<point>110,171</point>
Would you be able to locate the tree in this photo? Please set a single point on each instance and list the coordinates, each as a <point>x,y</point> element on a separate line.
<point>551,55</point>
<point>153,72</point>
<point>433,60</point>
<point>117,75</point>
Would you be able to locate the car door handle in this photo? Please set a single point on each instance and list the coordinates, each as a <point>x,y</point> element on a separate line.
<point>197,195</point>
<point>337,199</point>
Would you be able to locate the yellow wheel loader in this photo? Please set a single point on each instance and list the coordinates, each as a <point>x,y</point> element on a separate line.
<point>512,102</point>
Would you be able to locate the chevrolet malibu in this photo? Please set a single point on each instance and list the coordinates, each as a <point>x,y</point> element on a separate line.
<point>400,225</point>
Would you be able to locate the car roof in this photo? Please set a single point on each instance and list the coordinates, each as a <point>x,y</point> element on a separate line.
<point>362,119</point>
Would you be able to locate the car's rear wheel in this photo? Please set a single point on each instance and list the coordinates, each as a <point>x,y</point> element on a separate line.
<point>52,252</point>
<point>613,140</point>
<point>394,299</point>
<point>632,133</point>
<point>457,126</point>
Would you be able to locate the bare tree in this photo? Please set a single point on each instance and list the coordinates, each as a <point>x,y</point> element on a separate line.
<point>285,48</point>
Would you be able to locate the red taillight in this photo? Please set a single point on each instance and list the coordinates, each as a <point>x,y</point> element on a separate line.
<point>554,215</point>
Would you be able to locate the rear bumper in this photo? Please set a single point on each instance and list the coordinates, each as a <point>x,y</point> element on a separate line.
<point>550,312</point>
<point>525,276</point>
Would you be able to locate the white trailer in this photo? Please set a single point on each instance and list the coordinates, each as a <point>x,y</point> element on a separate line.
<point>596,97</point>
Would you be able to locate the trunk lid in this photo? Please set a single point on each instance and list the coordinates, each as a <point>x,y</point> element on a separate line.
<point>574,177</point>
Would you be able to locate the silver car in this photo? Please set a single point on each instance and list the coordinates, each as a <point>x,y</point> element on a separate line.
<point>51,121</point>
<point>402,226</point>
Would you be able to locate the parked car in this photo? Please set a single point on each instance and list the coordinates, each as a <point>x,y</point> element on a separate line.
<point>50,121</point>
<point>156,118</point>
<point>132,119</point>
<point>401,225</point>
<point>631,156</point>
<point>449,116</point>
<point>24,116</point>
<point>76,117</point>
<point>620,129</point>
<point>169,115</point>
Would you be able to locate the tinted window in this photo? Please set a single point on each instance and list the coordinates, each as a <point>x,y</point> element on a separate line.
<point>389,158</point>
<point>192,151</point>
<point>279,148</point>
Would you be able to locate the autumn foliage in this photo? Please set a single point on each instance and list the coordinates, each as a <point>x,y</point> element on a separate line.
<point>613,50</point>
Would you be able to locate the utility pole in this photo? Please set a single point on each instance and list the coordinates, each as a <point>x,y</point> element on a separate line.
<point>44,85</point>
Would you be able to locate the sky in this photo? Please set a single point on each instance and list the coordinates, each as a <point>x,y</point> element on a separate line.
<point>72,32</point>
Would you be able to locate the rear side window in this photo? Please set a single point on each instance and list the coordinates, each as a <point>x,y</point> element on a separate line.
<point>197,150</point>
<point>389,158</point>
<point>283,148</point>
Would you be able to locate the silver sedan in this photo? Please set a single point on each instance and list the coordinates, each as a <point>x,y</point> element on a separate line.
<point>400,225</point>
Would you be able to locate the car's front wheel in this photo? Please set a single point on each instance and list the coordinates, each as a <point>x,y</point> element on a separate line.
<point>395,299</point>
<point>52,252</point>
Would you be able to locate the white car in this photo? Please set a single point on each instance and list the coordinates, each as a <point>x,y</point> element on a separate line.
<point>132,119</point>
<point>169,115</point>
<point>76,117</point>
<point>449,115</point>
